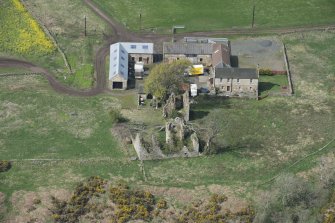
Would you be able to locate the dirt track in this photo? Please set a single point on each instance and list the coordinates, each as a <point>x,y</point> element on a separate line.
<point>122,34</point>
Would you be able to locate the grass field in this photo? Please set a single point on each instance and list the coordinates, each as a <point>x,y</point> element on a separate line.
<point>199,16</point>
<point>68,30</point>
<point>260,138</point>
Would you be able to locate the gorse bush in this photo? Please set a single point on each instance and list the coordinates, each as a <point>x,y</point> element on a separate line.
<point>20,33</point>
<point>5,165</point>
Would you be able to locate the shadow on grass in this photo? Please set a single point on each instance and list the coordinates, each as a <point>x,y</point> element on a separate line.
<point>196,114</point>
<point>266,86</point>
<point>205,102</point>
<point>237,149</point>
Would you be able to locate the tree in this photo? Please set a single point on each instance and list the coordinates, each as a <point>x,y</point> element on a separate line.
<point>166,78</point>
<point>209,129</point>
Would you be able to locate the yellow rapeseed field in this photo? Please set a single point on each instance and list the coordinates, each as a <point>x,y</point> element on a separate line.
<point>20,33</point>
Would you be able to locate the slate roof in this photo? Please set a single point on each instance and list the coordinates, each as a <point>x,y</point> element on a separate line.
<point>233,73</point>
<point>188,48</point>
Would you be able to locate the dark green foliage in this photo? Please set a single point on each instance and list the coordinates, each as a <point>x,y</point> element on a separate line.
<point>291,199</point>
<point>265,72</point>
<point>77,206</point>
<point>5,165</point>
<point>116,116</point>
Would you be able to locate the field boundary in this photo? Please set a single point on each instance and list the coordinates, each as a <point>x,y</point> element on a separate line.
<point>19,74</point>
<point>298,161</point>
<point>52,38</point>
<point>288,71</point>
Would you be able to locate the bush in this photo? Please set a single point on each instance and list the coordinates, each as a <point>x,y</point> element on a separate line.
<point>267,72</point>
<point>116,116</point>
<point>5,165</point>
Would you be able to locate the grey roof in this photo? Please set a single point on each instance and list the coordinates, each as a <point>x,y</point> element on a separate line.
<point>224,41</point>
<point>241,73</point>
<point>188,48</point>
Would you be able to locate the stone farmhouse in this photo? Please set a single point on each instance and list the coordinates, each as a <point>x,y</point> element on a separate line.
<point>120,55</point>
<point>242,82</point>
<point>215,54</point>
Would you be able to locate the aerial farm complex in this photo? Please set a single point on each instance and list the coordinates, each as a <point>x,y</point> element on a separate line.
<point>177,111</point>
<point>210,58</point>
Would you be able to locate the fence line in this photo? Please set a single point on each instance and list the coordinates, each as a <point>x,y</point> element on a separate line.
<point>53,39</point>
<point>287,65</point>
<point>19,74</point>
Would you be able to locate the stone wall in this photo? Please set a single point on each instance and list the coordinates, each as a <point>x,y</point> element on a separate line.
<point>145,58</point>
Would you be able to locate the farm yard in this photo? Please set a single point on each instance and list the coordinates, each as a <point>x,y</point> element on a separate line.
<point>217,14</point>
<point>75,134</point>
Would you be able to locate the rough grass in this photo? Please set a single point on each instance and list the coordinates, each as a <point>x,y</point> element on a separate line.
<point>260,138</point>
<point>67,28</point>
<point>217,14</point>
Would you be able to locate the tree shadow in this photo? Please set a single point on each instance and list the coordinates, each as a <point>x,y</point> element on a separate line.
<point>210,102</point>
<point>237,149</point>
<point>196,114</point>
<point>266,86</point>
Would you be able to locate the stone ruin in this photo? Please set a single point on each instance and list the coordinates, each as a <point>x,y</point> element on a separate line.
<point>179,137</point>
<point>179,104</point>
<point>177,133</point>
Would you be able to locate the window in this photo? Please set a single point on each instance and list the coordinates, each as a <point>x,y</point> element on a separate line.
<point>133,46</point>
<point>132,58</point>
<point>238,80</point>
<point>228,80</point>
<point>122,58</point>
<point>145,47</point>
<point>115,50</point>
<point>140,59</point>
<point>122,65</point>
<point>221,80</point>
<point>228,88</point>
<point>250,81</point>
<point>200,59</point>
<point>122,52</point>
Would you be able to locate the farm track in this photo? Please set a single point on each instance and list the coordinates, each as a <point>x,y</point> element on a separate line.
<point>120,33</point>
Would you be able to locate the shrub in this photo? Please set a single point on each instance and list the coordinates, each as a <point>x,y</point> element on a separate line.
<point>267,72</point>
<point>5,165</point>
<point>161,204</point>
<point>116,116</point>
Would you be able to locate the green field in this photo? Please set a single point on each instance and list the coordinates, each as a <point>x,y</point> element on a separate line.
<point>67,28</point>
<point>260,138</point>
<point>217,14</point>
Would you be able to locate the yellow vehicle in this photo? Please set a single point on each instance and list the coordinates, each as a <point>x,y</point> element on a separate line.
<point>196,70</point>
